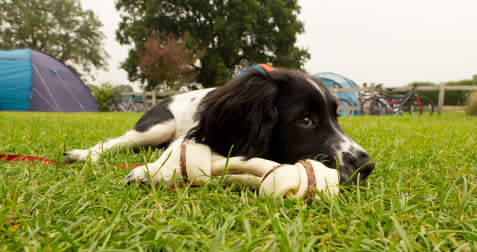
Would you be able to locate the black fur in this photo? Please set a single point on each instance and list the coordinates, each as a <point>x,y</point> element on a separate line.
<point>241,114</point>
<point>158,114</point>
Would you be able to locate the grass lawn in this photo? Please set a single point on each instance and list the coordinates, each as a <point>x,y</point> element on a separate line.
<point>422,195</point>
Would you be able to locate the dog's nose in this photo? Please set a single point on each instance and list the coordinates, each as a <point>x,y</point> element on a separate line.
<point>364,164</point>
<point>366,169</point>
<point>357,161</point>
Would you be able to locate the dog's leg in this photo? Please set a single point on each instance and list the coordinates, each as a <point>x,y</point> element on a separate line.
<point>155,135</point>
<point>156,170</point>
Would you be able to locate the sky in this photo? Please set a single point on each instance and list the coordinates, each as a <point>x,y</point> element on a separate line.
<point>394,42</point>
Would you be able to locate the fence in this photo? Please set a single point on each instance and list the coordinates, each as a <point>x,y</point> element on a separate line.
<point>151,98</point>
<point>441,88</point>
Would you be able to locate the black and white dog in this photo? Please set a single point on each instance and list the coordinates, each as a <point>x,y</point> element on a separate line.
<point>281,115</point>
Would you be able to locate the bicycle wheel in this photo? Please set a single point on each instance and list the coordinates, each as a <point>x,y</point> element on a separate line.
<point>140,107</point>
<point>136,107</point>
<point>365,106</point>
<point>131,108</point>
<point>344,107</point>
<point>424,107</point>
<point>410,106</point>
<point>377,107</point>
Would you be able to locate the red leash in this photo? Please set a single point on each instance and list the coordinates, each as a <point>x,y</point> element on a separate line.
<point>12,158</point>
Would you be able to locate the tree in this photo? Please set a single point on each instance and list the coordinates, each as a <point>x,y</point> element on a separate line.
<point>233,33</point>
<point>60,28</point>
<point>166,60</point>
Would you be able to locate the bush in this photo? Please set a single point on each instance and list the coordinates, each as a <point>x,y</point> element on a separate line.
<point>458,97</point>
<point>104,94</point>
<point>471,107</point>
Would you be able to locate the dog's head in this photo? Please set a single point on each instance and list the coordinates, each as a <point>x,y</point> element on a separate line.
<point>283,116</point>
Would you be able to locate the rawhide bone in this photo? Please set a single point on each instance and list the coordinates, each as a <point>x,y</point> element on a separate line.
<point>197,163</point>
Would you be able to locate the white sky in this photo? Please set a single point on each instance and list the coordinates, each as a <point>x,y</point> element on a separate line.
<point>393,42</point>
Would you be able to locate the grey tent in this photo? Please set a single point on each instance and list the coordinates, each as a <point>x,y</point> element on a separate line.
<point>35,81</point>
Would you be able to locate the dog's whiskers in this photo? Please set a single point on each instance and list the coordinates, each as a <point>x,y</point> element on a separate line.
<point>321,158</point>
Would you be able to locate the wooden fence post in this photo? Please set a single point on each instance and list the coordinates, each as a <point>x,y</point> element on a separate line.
<point>154,98</point>
<point>440,103</point>
<point>144,100</point>
<point>371,90</point>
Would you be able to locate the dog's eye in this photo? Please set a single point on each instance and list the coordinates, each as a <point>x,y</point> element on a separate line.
<point>306,122</point>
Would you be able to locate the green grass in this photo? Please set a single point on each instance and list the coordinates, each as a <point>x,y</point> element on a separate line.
<point>421,196</point>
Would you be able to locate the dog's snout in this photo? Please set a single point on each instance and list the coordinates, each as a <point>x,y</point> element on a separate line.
<point>357,161</point>
<point>362,156</point>
<point>367,168</point>
<point>364,163</point>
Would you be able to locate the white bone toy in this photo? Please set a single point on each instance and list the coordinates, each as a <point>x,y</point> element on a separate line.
<point>197,163</point>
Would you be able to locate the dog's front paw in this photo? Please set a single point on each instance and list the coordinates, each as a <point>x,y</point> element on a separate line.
<point>81,155</point>
<point>137,175</point>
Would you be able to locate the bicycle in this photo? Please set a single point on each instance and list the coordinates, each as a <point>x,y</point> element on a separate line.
<point>118,104</point>
<point>379,104</point>
<point>384,104</point>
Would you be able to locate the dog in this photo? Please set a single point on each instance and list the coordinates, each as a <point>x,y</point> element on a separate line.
<point>280,115</point>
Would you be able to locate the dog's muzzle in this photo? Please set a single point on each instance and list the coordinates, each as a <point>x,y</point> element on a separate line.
<point>354,167</point>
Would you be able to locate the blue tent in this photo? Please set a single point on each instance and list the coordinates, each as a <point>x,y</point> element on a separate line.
<point>35,81</point>
<point>333,80</point>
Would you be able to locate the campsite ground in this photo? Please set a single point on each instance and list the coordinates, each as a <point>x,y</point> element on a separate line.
<point>422,195</point>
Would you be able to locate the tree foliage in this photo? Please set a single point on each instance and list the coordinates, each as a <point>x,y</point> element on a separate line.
<point>165,59</point>
<point>233,33</point>
<point>60,28</point>
<point>124,88</point>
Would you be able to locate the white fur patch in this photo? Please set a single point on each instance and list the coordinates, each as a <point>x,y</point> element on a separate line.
<point>183,107</point>
<point>156,169</point>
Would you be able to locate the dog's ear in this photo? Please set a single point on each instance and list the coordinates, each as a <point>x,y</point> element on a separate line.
<point>241,113</point>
